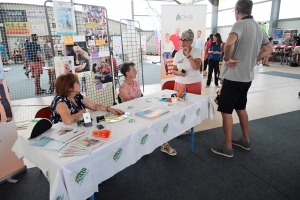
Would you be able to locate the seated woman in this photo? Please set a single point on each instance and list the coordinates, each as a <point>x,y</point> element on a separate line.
<point>69,105</point>
<point>130,89</point>
<point>17,56</point>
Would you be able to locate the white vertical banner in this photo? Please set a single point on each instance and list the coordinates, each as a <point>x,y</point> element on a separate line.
<point>9,163</point>
<point>176,19</point>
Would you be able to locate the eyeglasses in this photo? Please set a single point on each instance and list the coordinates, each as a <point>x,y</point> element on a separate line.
<point>184,40</point>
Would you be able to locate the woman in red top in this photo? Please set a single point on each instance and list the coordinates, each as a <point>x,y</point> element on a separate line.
<point>207,46</point>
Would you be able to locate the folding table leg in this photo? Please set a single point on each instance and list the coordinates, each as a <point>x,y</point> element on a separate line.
<point>192,139</point>
<point>92,197</point>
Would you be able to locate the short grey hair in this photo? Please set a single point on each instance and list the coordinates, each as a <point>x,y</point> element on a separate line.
<point>244,6</point>
<point>189,34</point>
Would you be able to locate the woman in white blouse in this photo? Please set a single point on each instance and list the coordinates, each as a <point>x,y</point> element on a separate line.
<point>167,50</point>
<point>187,64</point>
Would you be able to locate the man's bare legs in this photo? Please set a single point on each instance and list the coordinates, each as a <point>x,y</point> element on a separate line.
<point>227,128</point>
<point>228,124</point>
<point>243,117</point>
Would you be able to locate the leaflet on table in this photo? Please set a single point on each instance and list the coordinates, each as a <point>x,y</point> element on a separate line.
<point>152,112</point>
<point>67,135</point>
<point>110,118</point>
<point>81,146</point>
<point>47,143</point>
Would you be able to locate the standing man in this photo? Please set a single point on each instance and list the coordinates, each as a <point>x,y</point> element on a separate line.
<point>3,99</point>
<point>199,43</point>
<point>246,44</point>
<point>36,62</point>
<point>49,58</point>
<point>175,38</point>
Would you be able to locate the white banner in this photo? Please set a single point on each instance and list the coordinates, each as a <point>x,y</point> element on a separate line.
<point>176,19</point>
<point>9,163</point>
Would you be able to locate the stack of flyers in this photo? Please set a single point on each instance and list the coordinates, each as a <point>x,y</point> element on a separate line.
<point>110,118</point>
<point>81,146</point>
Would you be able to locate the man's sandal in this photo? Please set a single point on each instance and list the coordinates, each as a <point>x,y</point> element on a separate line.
<point>171,151</point>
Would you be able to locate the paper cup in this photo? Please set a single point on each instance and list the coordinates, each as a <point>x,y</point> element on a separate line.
<point>174,99</point>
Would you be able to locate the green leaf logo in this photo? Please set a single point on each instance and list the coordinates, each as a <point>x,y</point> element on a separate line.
<point>166,128</point>
<point>81,175</point>
<point>61,197</point>
<point>182,119</point>
<point>178,17</point>
<point>144,139</point>
<point>130,107</point>
<point>48,176</point>
<point>118,154</point>
<point>198,111</point>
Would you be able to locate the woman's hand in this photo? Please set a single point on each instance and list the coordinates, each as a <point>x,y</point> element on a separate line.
<point>181,74</point>
<point>78,49</point>
<point>115,111</point>
<point>186,51</point>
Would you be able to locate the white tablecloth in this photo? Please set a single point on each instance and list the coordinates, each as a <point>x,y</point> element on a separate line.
<point>130,139</point>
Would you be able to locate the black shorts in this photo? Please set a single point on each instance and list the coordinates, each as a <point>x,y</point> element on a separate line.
<point>233,96</point>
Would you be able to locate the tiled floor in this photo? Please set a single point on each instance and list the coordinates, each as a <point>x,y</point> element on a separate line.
<point>268,96</point>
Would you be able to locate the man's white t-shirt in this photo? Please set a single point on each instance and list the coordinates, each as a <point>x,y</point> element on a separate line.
<point>182,62</point>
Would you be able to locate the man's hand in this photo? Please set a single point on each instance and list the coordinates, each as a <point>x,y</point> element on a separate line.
<point>115,111</point>
<point>231,63</point>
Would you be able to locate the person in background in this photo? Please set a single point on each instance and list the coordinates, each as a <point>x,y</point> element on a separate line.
<point>69,105</point>
<point>36,62</point>
<point>215,53</point>
<point>3,99</point>
<point>3,53</point>
<point>167,50</point>
<point>246,43</point>
<point>205,58</point>
<point>207,46</point>
<point>199,43</point>
<point>130,90</point>
<point>26,63</point>
<point>266,59</point>
<point>175,38</point>
<point>49,59</point>
<point>187,64</point>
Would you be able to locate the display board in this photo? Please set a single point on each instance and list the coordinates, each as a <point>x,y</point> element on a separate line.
<point>174,20</point>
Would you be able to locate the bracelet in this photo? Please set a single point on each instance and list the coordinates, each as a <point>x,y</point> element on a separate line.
<point>226,59</point>
<point>189,56</point>
<point>107,108</point>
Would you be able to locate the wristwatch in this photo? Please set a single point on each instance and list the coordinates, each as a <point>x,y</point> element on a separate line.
<point>189,56</point>
<point>226,59</point>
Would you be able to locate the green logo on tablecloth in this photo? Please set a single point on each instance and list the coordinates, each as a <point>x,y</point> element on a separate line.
<point>131,121</point>
<point>47,175</point>
<point>144,139</point>
<point>61,197</point>
<point>130,107</point>
<point>182,119</point>
<point>166,128</point>
<point>118,154</point>
<point>198,111</point>
<point>81,175</point>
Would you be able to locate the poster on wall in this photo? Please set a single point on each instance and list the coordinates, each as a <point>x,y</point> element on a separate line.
<point>278,34</point>
<point>81,57</point>
<point>64,65</point>
<point>16,28</point>
<point>95,25</point>
<point>174,20</point>
<point>35,14</point>
<point>64,18</point>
